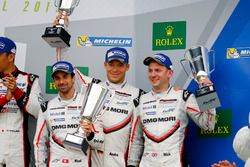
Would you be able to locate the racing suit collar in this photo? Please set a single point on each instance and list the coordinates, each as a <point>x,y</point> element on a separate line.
<point>68,101</point>
<point>111,85</point>
<point>162,94</point>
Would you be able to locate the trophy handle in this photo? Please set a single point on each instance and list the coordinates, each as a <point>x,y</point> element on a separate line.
<point>77,2</point>
<point>212,54</point>
<point>184,68</point>
<point>100,108</point>
<point>55,3</point>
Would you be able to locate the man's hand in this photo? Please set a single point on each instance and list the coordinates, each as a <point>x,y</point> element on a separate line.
<point>224,163</point>
<point>86,127</point>
<point>10,82</point>
<point>64,17</point>
<point>205,82</point>
<point>9,95</point>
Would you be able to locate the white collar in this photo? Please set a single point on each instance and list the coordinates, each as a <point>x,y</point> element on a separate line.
<point>162,94</point>
<point>114,86</point>
<point>68,101</point>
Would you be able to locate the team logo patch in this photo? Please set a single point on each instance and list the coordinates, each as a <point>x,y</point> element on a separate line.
<point>168,110</point>
<point>151,113</point>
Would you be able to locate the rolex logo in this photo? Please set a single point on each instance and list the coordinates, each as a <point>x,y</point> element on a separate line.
<point>216,118</point>
<point>169,30</point>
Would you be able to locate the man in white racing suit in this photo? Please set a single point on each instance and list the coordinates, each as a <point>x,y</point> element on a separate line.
<point>119,113</point>
<point>20,97</point>
<point>59,117</point>
<point>163,116</point>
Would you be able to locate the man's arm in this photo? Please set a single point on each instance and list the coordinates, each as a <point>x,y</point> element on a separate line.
<point>204,119</point>
<point>30,100</point>
<point>136,142</point>
<point>94,133</point>
<point>41,139</point>
<point>5,99</point>
<point>96,137</point>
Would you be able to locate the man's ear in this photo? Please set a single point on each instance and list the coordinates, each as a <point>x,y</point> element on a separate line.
<point>127,67</point>
<point>170,73</point>
<point>11,57</point>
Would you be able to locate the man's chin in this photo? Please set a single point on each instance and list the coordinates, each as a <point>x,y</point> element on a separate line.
<point>63,90</point>
<point>115,80</point>
<point>154,84</point>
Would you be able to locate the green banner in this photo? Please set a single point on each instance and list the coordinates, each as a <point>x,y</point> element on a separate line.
<point>169,35</point>
<point>50,86</point>
<point>223,126</point>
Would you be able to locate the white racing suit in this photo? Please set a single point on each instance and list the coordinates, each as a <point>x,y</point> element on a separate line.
<point>117,120</point>
<point>58,118</point>
<point>14,142</point>
<point>160,129</point>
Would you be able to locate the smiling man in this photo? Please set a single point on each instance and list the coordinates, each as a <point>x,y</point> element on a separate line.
<point>59,117</point>
<point>119,112</point>
<point>163,116</point>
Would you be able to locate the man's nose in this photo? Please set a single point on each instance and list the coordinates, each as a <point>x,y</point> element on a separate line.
<point>114,69</point>
<point>61,81</point>
<point>153,73</point>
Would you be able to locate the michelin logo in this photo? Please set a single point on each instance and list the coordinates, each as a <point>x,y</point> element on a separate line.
<point>103,41</point>
<point>234,53</point>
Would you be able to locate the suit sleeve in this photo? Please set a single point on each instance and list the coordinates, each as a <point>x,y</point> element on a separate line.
<point>3,101</point>
<point>30,100</point>
<point>41,140</point>
<point>204,119</point>
<point>136,145</point>
<point>96,138</point>
<point>136,142</point>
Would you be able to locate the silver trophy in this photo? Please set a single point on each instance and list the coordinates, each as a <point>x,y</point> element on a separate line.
<point>198,60</point>
<point>57,36</point>
<point>92,107</point>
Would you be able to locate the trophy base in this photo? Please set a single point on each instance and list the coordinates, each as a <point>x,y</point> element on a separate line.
<point>76,142</point>
<point>57,37</point>
<point>207,98</point>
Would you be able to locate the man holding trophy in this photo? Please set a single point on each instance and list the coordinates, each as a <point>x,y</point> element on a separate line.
<point>163,116</point>
<point>59,140</point>
<point>119,114</point>
<point>58,36</point>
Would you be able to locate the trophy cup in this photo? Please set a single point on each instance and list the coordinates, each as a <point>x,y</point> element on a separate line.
<point>57,36</point>
<point>92,106</point>
<point>198,59</point>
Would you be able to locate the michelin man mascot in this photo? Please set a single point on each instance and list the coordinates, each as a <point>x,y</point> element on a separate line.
<point>241,144</point>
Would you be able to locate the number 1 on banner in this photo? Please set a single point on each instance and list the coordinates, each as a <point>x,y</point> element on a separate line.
<point>4,7</point>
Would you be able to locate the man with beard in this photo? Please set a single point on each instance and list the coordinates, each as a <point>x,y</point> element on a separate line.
<point>59,117</point>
